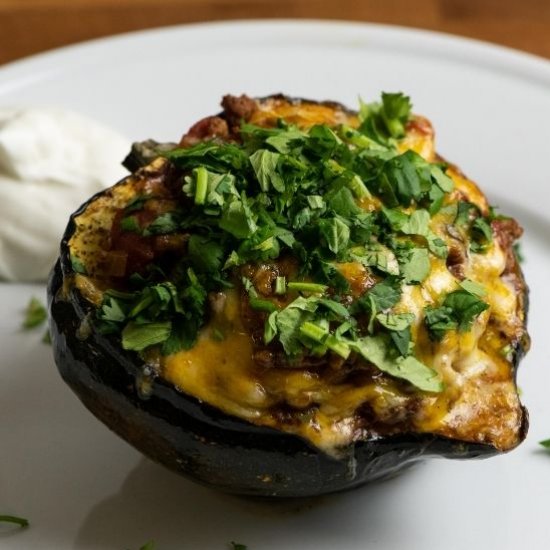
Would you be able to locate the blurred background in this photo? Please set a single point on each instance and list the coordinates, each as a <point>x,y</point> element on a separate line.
<point>32,26</point>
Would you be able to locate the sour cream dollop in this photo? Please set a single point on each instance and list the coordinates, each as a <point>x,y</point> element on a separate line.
<point>51,160</point>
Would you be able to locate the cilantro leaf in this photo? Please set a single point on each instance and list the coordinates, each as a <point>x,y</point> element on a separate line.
<point>402,175</point>
<point>395,321</point>
<point>286,140</point>
<point>130,224</point>
<point>377,256</point>
<point>465,306</point>
<point>457,312</point>
<point>396,111</point>
<point>341,202</point>
<point>112,309</point>
<point>481,234</point>
<point>322,140</point>
<point>415,265</point>
<point>163,224</point>
<point>77,265</point>
<point>289,320</point>
<point>385,294</point>
<point>335,234</point>
<point>376,350</point>
<point>265,163</point>
<point>35,314</point>
<point>205,255</point>
<point>402,340</point>
<point>480,231</point>
<point>137,337</point>
<point>473,288</point>
<point>399,325</point>
<point>385,120</point>
<point>237,219</point>
<point>210,155</point>
<point>439,320</point>
<point>416,224</point>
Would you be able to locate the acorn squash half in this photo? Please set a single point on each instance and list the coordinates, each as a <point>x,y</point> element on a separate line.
<point>290,414</point>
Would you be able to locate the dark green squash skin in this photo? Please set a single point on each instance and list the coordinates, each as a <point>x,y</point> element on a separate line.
<point>197,440</point>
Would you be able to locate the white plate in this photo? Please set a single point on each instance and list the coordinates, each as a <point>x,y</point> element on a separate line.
<point>83,488</point>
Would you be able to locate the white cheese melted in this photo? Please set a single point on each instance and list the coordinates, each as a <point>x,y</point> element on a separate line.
<point>51,161</point>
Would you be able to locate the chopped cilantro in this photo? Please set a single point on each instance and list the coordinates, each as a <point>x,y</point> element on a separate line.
<point>376,350</point>
<point>439,320</point>
<point>415,265</point>
<point>312,288</point>
<point>162,225</point>
<point>482,235</point>
<point>285,192</point>
<point>545,443</point>
<point>265,163</point>
<point>137,337</point>
<point>77,265</point>
<point>130,223</point>
<point>35,314</point>
<point>457,312</point>
<point>205,254</point>
<point>237,218</point>
<point>382,296</point>
<point>473,288</point>
<point>280,285</point>
<point>21,522</point>
<point>479,229</point>
<point>386,120</point>
<point>465,307</point>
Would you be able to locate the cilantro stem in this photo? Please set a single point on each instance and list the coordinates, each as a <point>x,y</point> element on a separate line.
<point>280,285</point>
<point>322,336</point>
<point>22,522</point>
<point>358,139</point>
<point>313,331</point>
<point>358,188</point>
<point>341,348</point>
<point>313,288</point>
<point>201,185</point>
<point>262,305</point>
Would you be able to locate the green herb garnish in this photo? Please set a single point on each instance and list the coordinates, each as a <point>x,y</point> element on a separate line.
<point>77,265</point>
<point>457,311</point>
<point>545,443</point>
<point>286,191</point>
<point>35,314</point>
<point>21,522</point>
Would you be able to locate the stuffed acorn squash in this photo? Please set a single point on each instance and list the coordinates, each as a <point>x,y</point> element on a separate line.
<point>295,300</point>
